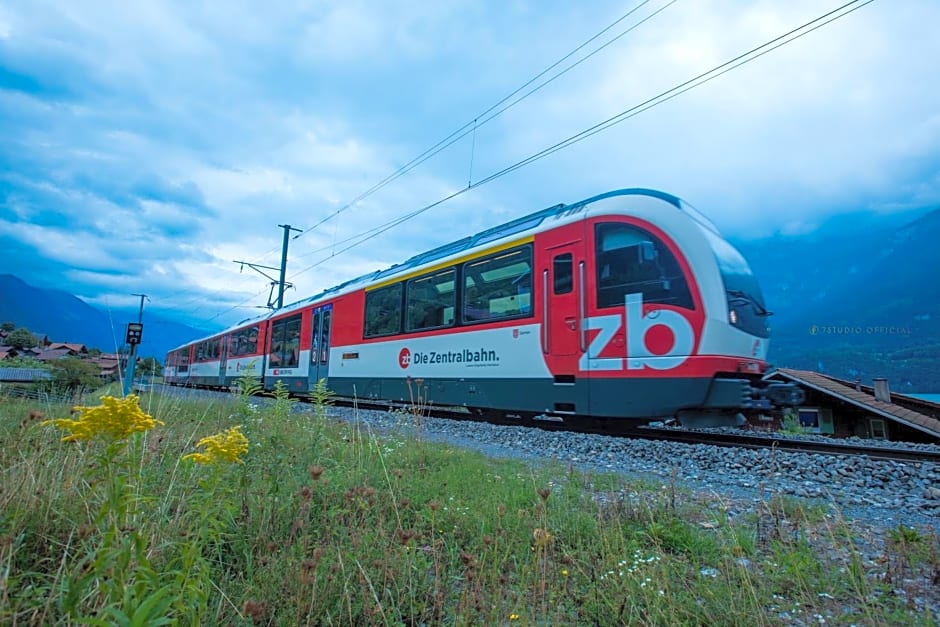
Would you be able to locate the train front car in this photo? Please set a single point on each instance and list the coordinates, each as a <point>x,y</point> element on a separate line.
<point>667,317</point>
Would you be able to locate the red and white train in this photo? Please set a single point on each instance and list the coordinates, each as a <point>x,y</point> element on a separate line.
<point>625,306</point>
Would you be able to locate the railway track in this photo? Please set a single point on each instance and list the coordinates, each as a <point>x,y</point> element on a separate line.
<point>737,440</point>
<point>791,445</point>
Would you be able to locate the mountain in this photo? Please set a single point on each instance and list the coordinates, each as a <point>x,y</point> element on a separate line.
<point>66,318</point>
<point>858,298</point>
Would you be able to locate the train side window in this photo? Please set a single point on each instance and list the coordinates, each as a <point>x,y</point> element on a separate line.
<point>245,342</point>
<point>325,337</point>
<point>315,338</point>
<point>563,273</point>
<point>183,361</point>
<point>629,260</point>
<point>251,346</point>
<point>383,311</point>
<point>431,301</point>
<point>498,287</point>
<point>285,342</point>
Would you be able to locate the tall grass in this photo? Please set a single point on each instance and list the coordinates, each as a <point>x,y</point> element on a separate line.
<point>329,522</point>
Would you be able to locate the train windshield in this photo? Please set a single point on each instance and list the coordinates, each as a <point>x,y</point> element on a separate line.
<point>630,260</point>
<point>746,309</point>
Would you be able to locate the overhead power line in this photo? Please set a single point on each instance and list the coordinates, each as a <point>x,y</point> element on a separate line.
<point>665,96</point>
<point>482,118</point>
<point>494,110</point>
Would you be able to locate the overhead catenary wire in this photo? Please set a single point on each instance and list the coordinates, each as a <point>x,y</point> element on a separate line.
<point>471,127</point>
<point>688,85</point>
<point>669,94</point>
<point>488,115</point>
<point>236,306</point>
<point>662,97</point>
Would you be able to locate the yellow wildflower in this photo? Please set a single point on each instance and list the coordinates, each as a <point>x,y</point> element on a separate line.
<point>564,572</point>
<point>114,419</point>
<point>513,617</point>
<point>227,446</point>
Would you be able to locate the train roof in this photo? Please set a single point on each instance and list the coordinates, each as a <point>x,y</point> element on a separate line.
<point>496,233</point>
<point>487,236</point>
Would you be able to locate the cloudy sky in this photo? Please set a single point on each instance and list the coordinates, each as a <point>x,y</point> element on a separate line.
<point>144,146</point>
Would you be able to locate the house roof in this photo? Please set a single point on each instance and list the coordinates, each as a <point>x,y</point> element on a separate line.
<point>23,375</point>
<point>847,393</point>
<point>78,348</point>
<point>50,354</point>
<point>108,363</point>
<point>104,360</point>
<point>913,403</point>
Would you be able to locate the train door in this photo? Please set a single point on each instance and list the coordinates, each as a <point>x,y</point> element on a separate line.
<point>320,344</point>
<point>562,280</point>
<point>562,269</point>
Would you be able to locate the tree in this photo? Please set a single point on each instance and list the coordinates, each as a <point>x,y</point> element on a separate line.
<point>74,373</point>
<point>21,338</point>
<point>150,366</point>
<point>7,326</point>
<point>25,362</point>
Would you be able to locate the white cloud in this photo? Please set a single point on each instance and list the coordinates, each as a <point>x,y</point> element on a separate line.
<point>6,27</point>
<point>176,137</point>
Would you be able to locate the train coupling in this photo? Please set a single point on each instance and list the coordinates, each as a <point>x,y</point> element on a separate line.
<point>781,394</point>
<point>726,393</point>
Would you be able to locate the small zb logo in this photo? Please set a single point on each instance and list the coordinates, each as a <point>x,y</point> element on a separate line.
<point>404,358</point>
<point>661,339</point>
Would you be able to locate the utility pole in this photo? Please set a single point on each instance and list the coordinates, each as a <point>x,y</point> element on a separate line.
<point>133,336</point>
<point>281,284</point>
<point>280,294</point>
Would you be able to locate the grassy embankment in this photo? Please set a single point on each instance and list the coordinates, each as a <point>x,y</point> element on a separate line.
<point>326,522</point>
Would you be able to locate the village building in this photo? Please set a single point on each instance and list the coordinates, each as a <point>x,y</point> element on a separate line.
<point>74,349</point>
<point>843,409</point>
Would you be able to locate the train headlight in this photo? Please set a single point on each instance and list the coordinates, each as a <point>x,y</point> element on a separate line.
<point>733,316</point>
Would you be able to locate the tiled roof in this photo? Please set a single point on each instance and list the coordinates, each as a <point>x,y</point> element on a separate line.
<point>78,348</point>
<point>905,400</point>
<point>23,375</point>
<point>849,394</point>
<point>104,362</point>
<point>57,353</point>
